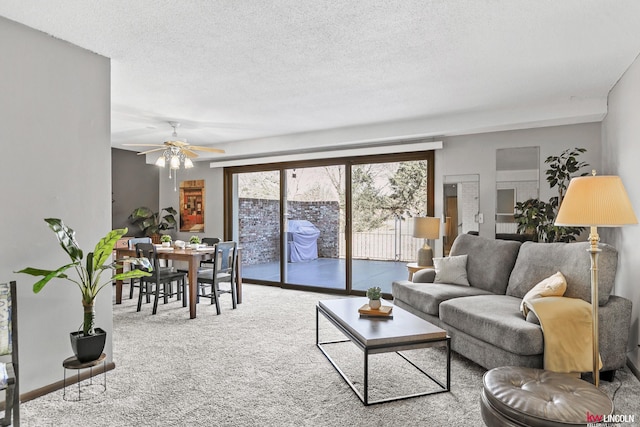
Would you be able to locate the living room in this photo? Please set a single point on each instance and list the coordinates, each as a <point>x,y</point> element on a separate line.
<point>57,105</point>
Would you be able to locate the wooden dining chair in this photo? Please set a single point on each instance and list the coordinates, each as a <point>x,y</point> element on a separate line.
<point>159,283</point>
<point>222,270</point>
<point>9,372</point>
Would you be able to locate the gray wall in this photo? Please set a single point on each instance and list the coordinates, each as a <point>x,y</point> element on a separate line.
<point>467,154</point>
<point>134,184</point>
<point>54,129</point>
<point>620,153</point>
<point>476,154</point>
<point>213,194</point>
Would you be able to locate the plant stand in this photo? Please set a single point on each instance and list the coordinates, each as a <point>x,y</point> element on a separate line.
<point>73,363</point>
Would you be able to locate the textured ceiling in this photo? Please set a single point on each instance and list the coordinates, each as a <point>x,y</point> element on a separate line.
<point>234,71</point>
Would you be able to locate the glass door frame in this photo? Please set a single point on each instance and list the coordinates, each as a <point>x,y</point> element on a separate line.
<point>348,163</point>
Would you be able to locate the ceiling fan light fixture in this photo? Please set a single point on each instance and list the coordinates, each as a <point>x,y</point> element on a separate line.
<point>176,152</point>
<point>174,163</point>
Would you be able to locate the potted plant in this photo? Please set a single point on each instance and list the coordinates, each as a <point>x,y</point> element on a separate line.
<point>152,223</point>
<point>194,241</point>
<point>166,240</point>
<point>374,294</point>
<point>536,216</point>
<point>87,344</point>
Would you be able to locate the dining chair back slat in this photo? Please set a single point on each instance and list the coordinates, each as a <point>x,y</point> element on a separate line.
<point>222,269</point>
<point>159,284</point>
<point>135,283</point>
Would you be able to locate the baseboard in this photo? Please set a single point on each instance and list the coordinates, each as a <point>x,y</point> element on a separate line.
<point>635,369</point>
<point>58,385</point>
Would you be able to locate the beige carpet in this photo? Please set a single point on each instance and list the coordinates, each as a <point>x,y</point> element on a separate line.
<point>259,366</point>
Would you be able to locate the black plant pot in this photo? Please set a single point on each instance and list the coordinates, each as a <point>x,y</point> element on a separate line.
<point>88,348</point>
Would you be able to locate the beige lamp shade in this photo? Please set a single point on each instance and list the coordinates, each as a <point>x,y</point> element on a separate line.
<point>426,227</point>
<point>600,201</point>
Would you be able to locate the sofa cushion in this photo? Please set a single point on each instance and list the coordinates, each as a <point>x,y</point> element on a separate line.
<point>427,297</point>
<point>452,270</point>
<point>490,261</point>
<point>494,319</point>
<point>554,285</point>
<point>536,261</point>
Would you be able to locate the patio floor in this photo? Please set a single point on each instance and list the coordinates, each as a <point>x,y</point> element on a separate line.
<point>330,273</point>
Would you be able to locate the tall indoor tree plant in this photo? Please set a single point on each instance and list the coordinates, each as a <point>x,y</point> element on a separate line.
<point>89,274</point>
<point>537,216</point>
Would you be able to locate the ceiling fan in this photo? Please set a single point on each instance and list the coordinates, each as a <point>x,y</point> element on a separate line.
<point>176,151</point>
<point>177,147</point>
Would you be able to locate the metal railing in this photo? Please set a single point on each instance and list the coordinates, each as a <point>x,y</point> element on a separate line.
<point>382,245</point>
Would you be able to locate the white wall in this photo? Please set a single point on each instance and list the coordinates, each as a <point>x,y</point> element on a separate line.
<point>620,154</point>
<point>54,131</point>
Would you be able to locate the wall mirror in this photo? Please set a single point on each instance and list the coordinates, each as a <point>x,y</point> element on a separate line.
<point>461,207</point>
<point>517,180</point>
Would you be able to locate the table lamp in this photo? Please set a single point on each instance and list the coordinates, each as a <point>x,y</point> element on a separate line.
<point>595,201</point>
<point>426,228</point>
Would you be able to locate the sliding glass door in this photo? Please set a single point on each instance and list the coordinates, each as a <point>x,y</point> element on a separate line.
<point>340,225</point>
<point>385,197</point>
<point>257,227</point>
<point>314,227</point>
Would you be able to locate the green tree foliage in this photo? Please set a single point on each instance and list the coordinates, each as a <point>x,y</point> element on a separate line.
<point>538,217</point>
<point>260,185</point>
<point>408,190</point>
<point>367,200</point>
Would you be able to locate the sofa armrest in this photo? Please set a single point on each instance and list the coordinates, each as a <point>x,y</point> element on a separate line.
<point>614,326</point>
<point>426,275</point>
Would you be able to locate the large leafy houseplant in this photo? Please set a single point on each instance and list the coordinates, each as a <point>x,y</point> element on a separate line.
<point>537,216</point>
<point>89,274</point>
<point>150,222</point>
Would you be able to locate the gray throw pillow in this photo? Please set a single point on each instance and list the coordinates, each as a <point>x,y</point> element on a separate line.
<point>452,270</point>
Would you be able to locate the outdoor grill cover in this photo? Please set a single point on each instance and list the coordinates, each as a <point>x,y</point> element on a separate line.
<point>302,241</point>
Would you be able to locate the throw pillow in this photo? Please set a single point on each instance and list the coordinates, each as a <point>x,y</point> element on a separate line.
<point>452,269</point>
<point>554,285</point>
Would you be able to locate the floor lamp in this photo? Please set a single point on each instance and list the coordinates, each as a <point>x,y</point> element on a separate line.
<point>595,201</point>
<point>426,228</point>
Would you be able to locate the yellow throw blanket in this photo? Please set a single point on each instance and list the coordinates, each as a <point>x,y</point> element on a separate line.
<point>566,325</point>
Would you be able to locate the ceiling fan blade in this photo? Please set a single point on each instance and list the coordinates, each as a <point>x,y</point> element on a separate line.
<point>189,153</point>
<point>209,149</point>
<point>150,151</point>
<point>176,143</point>
<point>144,145</point>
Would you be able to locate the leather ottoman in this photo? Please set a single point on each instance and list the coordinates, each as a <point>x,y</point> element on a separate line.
<point>517,396</point>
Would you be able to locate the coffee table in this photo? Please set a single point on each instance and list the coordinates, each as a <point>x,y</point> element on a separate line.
<point>404,331</point>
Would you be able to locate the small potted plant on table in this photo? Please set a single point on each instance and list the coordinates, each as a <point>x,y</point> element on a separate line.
<point>194,241</point>
<point>166,240</point>
<point>87,344</point>
<point>374,294</point>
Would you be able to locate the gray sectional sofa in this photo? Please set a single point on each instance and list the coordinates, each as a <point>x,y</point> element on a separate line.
<point>484,319</point>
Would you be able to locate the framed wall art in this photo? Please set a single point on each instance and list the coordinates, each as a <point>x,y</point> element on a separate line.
<point>192,206</point>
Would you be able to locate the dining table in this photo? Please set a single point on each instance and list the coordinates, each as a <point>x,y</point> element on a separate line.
<point>193,257</point>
